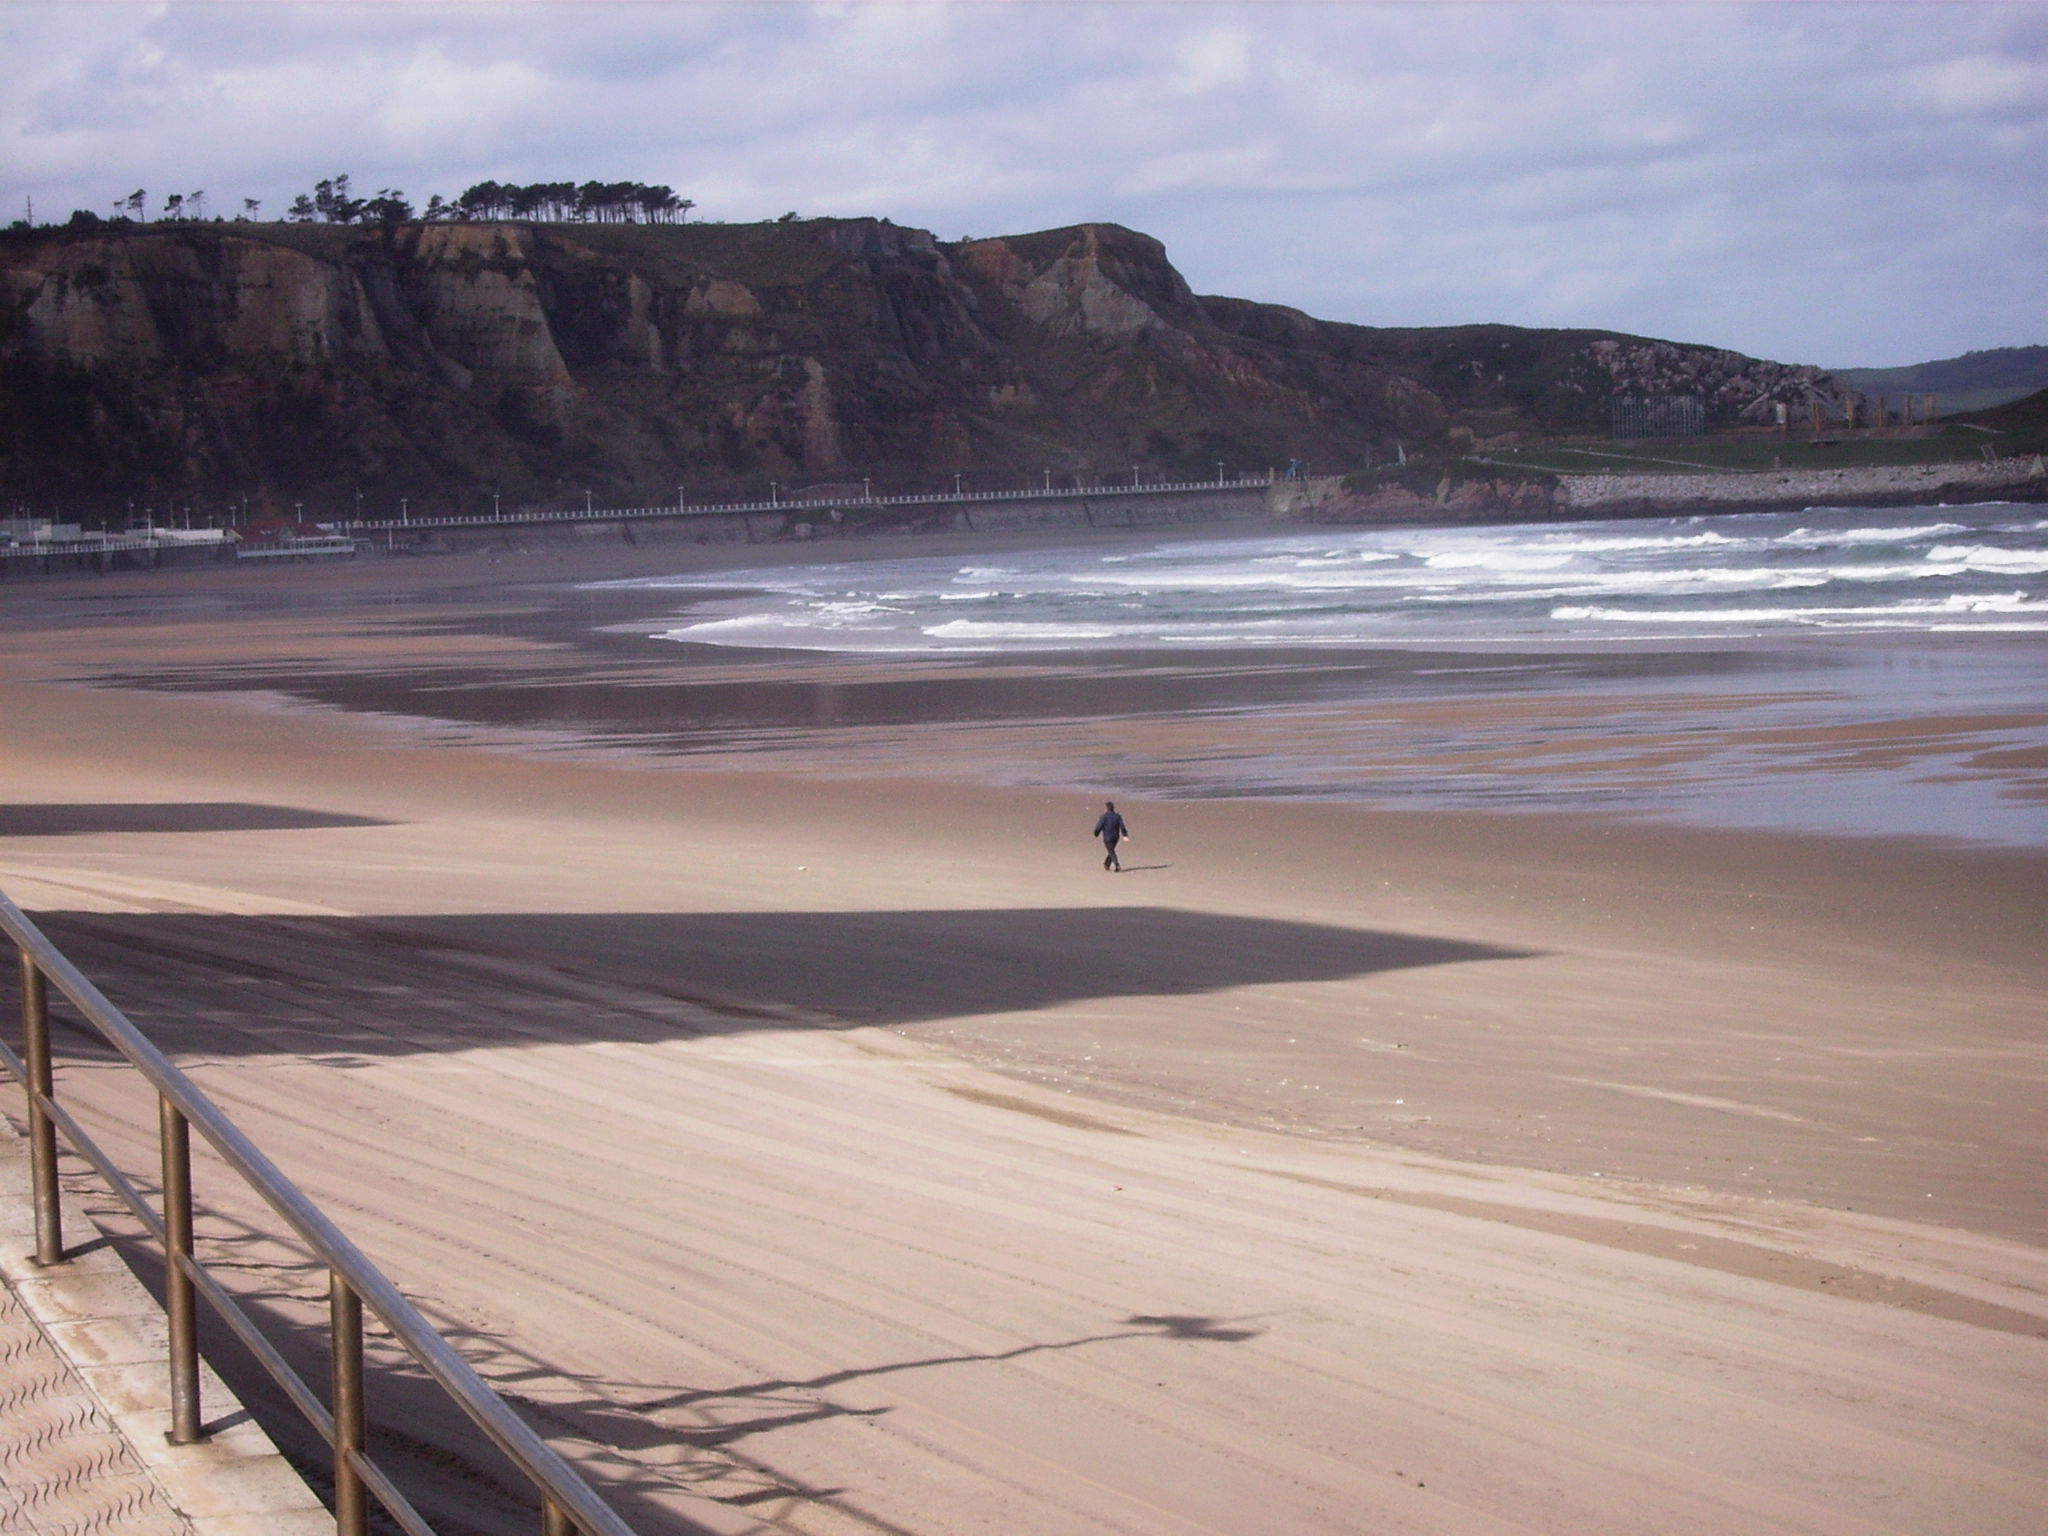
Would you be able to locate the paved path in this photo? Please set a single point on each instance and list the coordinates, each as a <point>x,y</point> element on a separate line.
<point>82,1394</point>
<point>64,1465</point>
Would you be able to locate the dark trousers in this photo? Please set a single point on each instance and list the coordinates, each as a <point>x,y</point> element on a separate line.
<point>1109,860</point>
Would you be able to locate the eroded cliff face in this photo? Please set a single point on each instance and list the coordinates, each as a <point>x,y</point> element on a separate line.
<point>203,363</point>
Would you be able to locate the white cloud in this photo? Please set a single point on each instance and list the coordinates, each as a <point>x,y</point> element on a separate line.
<point>436,97</point>
<point>1981,84</point>
<point>1210,60</point>
<point>1833,183</point>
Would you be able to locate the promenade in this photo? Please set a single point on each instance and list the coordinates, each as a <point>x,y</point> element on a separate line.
<point>82,1403</point>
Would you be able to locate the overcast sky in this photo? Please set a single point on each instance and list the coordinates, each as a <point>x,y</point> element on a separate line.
<point>1836,184</point>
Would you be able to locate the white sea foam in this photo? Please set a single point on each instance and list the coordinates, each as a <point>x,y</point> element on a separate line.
<point>1808,538</point>
<point>709,629</point>
<point>1583,544</point>
<point>1909,569</point>
<point>1509,560</point>
<point>1986,557</point>
<point>1048,634</point>
<point>1916,613</point>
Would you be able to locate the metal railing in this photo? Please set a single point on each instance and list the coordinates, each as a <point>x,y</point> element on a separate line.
<point>568,1505</point>
<point>111,544</point>
<point>799,502</point>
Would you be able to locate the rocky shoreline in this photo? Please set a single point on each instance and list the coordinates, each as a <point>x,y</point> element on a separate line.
<point>1623,495</point>
<point>1506,498</point>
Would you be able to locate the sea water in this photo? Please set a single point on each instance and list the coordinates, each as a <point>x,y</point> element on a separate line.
<point>1973,570</point>
<point>1841,669</point>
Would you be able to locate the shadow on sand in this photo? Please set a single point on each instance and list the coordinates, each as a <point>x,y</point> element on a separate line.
<point>68,820</point>
<point>716,1441</point>
<point>396,985</point>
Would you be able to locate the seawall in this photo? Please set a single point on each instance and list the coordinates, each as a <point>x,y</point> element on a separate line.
<point>1626,495</point>
<point>103,557</point>
<point>1515,498</point>
<point>825,522</point>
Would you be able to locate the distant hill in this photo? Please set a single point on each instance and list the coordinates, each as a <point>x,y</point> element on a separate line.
<point>455,364</point>
<point>2021,425</point>
<point>1975,381</point>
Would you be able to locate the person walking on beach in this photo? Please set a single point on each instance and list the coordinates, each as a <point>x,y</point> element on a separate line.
<point>1111,829</point>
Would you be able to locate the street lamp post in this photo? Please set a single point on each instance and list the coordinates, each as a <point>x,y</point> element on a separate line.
<point>774,493</point>
<point>1048,479</point>
<point>495,513</point>
<point>586,503</point>
<point>956,485</point>
<point>1219,471</point>
<point>679,498</point>
<point>867,488</point>
<point>404,510</point>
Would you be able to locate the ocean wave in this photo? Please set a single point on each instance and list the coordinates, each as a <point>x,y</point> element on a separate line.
<point>1510,560</point>
<point>853,608</point>
<point>1809,538</point>
<point>1326,557</point>
<point>1918,612</point>
<point>1910,568</point>
<point>1675,586</point>
<point>707,628</point>
<point>1208,581</point>
<point>1990,558</point>
<point>1582,544</point>
<point>1051,634</point>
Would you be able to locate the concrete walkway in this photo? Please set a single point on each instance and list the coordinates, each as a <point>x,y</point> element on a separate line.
<point>83,1394</point>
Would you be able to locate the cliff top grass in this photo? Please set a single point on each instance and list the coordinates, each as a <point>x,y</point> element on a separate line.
<point>770,255</point>
<point>776,254</point>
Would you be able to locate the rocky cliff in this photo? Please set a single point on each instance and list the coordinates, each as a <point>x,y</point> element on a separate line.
<point>205,363</point>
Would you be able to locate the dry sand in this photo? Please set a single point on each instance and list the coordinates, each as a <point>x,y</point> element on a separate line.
<point>853,1155</point>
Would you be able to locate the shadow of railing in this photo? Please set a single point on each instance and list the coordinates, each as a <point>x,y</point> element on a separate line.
<point>354,1285</point>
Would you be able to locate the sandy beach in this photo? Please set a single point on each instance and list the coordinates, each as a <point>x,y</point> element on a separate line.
<point>826,1144</point>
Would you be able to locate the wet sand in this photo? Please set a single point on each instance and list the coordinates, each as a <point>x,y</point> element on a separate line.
<point>844,1151</point>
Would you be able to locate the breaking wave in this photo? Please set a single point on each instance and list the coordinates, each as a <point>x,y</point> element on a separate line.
<point>1932,569</point>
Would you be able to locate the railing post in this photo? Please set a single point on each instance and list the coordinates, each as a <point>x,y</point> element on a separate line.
<point>42,1131</point>
<point>554,1520</point>
<point>351,1421</point>
<point>181,1307</point>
